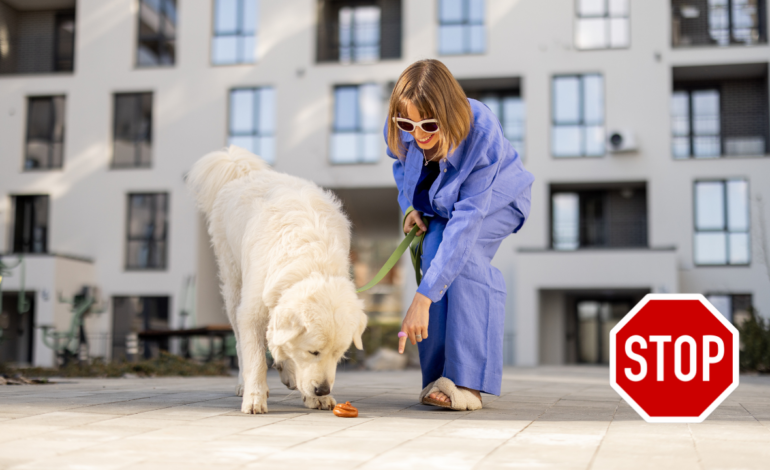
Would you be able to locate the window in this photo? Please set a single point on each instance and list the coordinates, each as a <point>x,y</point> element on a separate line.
<point>602,24</point>
<point>718,22</point>
<point>45,133</point>
<point>146,245</point>
<point>235,32</point>
<point>30,228</point>
<point>599,217</point>
<point>133,130</point>
<point>509,109</point>
<point>252,121</point>
<point>359,34</point>
<point>357,129</point>
<point>157,33</point>
<point>461,27</point>
<point>734,307</point>
<point>131,315</point>
<point>578,116</point>
<point>719,118</point>
<point>722,222</point>
<point>36,38</point>
<point>64,44</point>
<point>359,31</point>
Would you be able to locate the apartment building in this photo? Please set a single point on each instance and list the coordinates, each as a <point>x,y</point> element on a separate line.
<point>645,124</point>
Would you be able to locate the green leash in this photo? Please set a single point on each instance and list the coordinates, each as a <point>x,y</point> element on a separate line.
<point>415,251</point>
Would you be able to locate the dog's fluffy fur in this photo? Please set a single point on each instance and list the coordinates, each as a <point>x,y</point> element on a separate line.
<point>282,247</point>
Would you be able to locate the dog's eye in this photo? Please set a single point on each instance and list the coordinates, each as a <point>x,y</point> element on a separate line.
<point>315,353</point>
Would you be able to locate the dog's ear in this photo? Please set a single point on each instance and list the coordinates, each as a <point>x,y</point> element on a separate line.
<point>281,330</point>
<point>362,321</point>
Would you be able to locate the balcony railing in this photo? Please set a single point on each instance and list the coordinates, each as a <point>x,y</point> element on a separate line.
<point>723,23</point>
<point>36,54</point>
<point>359,43</point>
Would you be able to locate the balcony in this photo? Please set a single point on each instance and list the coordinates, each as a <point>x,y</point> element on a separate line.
<point>36,41</point>
<point>718,22</point>
<point>359,32</point>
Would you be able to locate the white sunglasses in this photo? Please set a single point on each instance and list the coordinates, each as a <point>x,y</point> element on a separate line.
<point>407,125</point>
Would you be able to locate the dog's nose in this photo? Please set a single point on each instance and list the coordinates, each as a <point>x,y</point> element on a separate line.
<point>322,389</point>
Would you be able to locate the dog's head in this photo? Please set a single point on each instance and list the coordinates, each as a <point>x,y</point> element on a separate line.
<point>310,328</point>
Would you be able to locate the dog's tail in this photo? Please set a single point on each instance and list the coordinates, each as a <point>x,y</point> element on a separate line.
<point>214,170</point>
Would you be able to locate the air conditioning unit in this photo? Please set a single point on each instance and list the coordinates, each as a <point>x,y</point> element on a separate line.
<point>621,141</point>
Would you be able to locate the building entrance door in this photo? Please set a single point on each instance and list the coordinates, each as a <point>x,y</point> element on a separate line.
<point>595,319</point>
<point>18,331</point>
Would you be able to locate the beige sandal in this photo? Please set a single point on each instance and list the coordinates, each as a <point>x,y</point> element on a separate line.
<point>461,399</point>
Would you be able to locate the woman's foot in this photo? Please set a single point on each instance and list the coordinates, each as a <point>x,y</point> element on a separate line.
<point>441,396</point>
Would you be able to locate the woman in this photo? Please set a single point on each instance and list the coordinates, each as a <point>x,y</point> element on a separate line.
<point>455,168</point>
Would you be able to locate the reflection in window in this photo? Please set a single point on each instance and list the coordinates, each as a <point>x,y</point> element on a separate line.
<point>602,24</point>
<point>578,116</point>
<point>566,221</point>
<point>734,21</point>
<point>461,27</point>
<point>132,130</point>
<point>510,111</point>
<point>359,34</point>
<point>157,32</point>
<point>722,222</point>
<point>357,122</point>
<point>45,133</point>
<point>252,121</point>
<point>695,123</point>
<point>30,224</point>
<point>146,232</point>
<point>235,30</point>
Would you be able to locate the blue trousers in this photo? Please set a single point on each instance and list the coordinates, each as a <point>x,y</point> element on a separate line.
<point>466,327</point>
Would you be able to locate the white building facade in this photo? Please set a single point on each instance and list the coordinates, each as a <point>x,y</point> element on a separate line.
<point>645,124</point>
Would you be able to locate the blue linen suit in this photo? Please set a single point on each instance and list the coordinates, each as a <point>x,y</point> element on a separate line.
<point>481,196</point>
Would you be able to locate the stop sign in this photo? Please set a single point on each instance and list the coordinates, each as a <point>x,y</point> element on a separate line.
<point>674,358</point>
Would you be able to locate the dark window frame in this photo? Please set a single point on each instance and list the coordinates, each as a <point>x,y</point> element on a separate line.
<point>689,89</point>
<point>64,63</point>
<point>161,38</point>
<point>52,139</point>
<point>239,34</point>
<point>152,242</point>
<point>725,224</point>
<point>257,110</point>
<point>358,129</point>
<point>137,140</point>
<point>581,113</point>
<point>18,245</point>
<point>466,23</point>
<point>607,17</point>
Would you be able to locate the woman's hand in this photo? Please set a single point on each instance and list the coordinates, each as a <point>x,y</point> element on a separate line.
<point>416,321</point>
<point>415,217</point>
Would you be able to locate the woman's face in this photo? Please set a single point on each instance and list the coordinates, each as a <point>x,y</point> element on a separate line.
<point>424,140</point>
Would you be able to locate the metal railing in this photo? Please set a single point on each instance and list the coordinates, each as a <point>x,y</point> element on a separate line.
<point>36,54</point>
<point>705,23</point>
<point>359,43</point>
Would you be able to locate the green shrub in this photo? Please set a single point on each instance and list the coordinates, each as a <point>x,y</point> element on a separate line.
<point>755,343</point>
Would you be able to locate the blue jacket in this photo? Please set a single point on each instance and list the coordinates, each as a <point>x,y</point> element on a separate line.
<point>482,176</point>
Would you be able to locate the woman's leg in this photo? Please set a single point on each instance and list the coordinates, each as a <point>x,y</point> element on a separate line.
<point>432,349</point>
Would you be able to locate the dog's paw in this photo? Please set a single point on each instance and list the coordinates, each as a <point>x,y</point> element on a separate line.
<point>239,390</point>
<point>320,403</point>
<point>254,403</point>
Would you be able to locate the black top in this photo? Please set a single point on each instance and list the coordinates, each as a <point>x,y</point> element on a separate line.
<point>421,200</point>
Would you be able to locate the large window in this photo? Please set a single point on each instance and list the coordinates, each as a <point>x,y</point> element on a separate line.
<point>722,222</point>
<point>132,142</point>
<point>358,31</point>
<point>598,217</point>
<point>356,136</point>
<point>578,116</point>
<point>461,27</point>
<point>718,22</point>
<point>45,133</point>
<point>509,109</point>
<point>719,118</point>
<point>30,227</point>
<point>157,33</point>
<point>252,121</point>
<point>359,34</point>
<point>235,32</point>
<point>147,230</point>
<point>602,24</point>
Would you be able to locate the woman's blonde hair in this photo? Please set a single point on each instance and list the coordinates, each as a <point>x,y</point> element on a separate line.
<point>430,87</point>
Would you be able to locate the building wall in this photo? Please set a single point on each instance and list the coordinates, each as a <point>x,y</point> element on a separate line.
<point>525,39</point>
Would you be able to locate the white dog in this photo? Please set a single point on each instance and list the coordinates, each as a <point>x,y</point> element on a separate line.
<point>282,246</point>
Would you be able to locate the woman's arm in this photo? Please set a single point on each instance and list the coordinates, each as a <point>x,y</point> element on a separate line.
<point>485,156</point>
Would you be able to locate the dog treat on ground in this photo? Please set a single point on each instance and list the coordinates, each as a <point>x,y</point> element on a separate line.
<point>345,410</point>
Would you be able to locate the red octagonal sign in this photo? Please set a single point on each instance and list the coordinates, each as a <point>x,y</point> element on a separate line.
<point>674,358</point>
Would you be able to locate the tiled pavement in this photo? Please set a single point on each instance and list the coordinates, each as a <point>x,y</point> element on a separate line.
<point>546,418</point>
